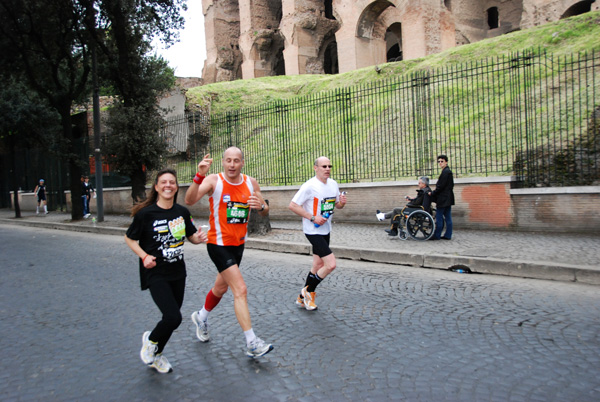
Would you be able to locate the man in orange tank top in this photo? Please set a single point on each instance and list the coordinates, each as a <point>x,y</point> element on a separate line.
<point>232,195</point>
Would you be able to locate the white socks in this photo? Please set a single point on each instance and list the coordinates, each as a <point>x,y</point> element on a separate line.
<point>249,336</point>
<point>203,314</point>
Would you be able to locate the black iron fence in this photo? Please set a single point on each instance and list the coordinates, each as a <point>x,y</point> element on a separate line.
<point>23,168</point>
<point>531,115</point>
<point>187,141</point>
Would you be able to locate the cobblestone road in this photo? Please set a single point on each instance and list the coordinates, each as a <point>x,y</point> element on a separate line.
<point>72,318</point>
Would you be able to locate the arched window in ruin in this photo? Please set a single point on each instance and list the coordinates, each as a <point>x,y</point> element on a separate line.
<point>275,8</point>
<point>279,63</point>
<point>267,54</point>
<point>393,42</point>
<point>329,9</point>
<point>330,58</point>
<point>448,5</point>
<point>492,17</point>
<point>369,17</point>
<point>578,8</point>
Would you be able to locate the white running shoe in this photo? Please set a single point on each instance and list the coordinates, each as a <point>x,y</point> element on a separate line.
<point>201,328</point>
<point>148,348</point>
<point>258,348</point>
<point>380,216</point>
<point>161,364</point>
<point>299,302</point>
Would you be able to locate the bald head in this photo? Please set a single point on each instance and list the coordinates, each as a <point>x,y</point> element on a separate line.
<point>233,152</point>
<point>233,162</point>
<point>322,168</point>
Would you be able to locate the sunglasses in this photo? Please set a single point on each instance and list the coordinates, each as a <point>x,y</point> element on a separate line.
<point>326,166</point>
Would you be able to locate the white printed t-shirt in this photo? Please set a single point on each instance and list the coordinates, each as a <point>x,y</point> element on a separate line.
<point>317,198</point>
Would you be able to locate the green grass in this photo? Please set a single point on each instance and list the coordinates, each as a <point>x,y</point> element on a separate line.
<point>561,38</point>
<point>478,103</point>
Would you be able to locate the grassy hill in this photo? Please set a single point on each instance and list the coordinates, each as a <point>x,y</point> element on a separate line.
<point>564,37</point>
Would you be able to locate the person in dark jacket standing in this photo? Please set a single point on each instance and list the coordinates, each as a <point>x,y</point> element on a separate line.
<point>444,199</point>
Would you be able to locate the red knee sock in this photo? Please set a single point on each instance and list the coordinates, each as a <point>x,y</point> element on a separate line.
<point>211,301</point>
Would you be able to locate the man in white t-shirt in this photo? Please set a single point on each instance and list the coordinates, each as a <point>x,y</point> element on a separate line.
<point>315,203</point>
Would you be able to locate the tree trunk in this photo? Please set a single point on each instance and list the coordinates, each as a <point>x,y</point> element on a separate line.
<point>259,225</point>
<point>16,204</point>
<point>15,184</point>
<point>138,185</point>
<point>75,170</point>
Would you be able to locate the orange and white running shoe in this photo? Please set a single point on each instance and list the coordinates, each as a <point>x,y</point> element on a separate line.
<point>309,299</point>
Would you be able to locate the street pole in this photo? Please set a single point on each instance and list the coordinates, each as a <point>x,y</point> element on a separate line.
<point>97,152</point>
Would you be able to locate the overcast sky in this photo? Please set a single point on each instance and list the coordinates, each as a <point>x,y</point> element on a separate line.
<point>187,56</point>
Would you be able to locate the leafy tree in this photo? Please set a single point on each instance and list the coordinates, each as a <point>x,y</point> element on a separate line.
<point>139,79</point>
<point>26,122</point>
<point>50,43</point>
<point>135,121</point>
<point>46,43</point>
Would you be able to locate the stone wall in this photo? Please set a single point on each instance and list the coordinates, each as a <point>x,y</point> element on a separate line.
<point>256,38</point>
<point>481,203</point>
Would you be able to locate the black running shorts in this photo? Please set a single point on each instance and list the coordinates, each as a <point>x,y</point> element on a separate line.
<point>320,244</point>
<point>225,256</point>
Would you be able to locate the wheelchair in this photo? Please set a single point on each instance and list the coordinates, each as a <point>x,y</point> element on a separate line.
<point>415,223</point>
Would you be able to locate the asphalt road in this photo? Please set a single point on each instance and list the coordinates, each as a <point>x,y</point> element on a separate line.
<point>72,317</point>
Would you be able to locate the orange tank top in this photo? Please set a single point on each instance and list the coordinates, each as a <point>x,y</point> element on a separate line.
<point>229,212</point>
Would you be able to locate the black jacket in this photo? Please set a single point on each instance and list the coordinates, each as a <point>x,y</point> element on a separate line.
<point>443,194</point>
<point>422,199</point>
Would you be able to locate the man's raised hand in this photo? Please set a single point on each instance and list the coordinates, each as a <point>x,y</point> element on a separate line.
<point>204,165</point>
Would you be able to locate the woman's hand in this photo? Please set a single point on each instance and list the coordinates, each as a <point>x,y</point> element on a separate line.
<point>149,261</point>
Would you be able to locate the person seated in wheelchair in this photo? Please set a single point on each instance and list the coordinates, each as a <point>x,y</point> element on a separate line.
<point>421,201</point>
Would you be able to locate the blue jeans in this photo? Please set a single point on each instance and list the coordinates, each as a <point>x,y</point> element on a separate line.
<point>443,214</point>
<point>86,205</point>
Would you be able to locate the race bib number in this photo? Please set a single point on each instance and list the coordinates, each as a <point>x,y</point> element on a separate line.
<point>327,205</point>
<point>173,252</point>
<point>237,212</point>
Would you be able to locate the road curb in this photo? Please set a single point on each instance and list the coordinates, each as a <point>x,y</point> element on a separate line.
<point>481,265</point>
<point>68,226</point>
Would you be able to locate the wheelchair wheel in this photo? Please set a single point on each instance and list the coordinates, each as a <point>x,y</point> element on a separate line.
<point>402,235</point>
<point>420,225</point>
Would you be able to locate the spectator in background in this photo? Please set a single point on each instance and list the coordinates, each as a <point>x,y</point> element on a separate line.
<point>86,194</point>
<point>422,200</point>
<point>40,191</point>
<point>443,196</point>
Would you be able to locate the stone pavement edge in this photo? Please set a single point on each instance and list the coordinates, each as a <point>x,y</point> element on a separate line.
<point>560,257</point>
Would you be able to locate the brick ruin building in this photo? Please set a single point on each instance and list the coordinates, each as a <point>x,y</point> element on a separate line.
<point>257,38</point>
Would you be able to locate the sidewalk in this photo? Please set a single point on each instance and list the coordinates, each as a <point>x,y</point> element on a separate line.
<point>562,257</point>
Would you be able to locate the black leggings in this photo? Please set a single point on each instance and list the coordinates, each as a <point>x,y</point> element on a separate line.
<point>168,296</point>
